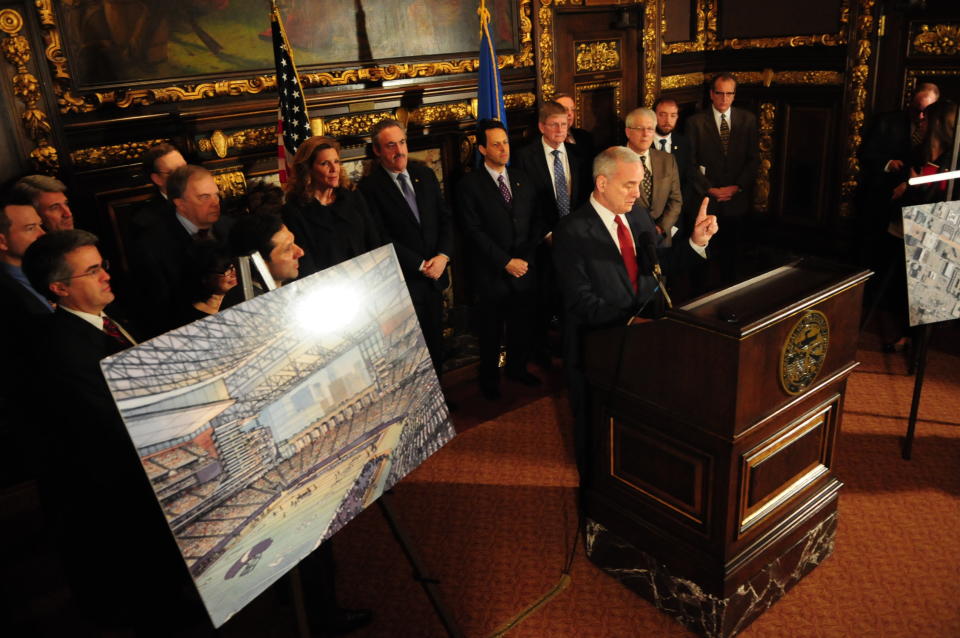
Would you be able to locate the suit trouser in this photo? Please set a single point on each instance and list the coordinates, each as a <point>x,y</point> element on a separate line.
<point>428,304</point>
<point>512,313</point>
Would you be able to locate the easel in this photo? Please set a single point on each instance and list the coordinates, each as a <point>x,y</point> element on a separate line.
<point>921,359</point>
<point>430,584</point>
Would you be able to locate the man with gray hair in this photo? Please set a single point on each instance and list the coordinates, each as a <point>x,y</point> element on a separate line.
<point>158,255</point>
<point>603,253</point>
<point>660,187</point>
<point>408,204</point>
<point>49,198</point>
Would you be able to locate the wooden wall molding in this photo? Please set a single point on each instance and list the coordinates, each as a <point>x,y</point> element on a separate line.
<point>708,37</point>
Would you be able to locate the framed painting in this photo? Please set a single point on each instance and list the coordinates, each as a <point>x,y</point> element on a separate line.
<point>121,45</point>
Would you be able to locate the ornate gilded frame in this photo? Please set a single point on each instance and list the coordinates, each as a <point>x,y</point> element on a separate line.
<point>70,102</point>
<point>708,38</point>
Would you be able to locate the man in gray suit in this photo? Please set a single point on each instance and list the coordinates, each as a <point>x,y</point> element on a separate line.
<point>660,187</point>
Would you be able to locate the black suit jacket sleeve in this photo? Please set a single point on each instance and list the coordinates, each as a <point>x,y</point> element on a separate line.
<point>751,149</point>
<point>470,207</point>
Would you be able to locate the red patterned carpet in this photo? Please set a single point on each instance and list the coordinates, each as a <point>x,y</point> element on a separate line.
<point>493,516</point>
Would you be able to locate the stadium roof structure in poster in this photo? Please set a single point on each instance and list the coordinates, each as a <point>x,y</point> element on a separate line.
<point>266,427</point>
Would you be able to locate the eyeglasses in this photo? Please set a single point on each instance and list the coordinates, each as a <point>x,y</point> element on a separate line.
<point>92,271</point>
<point>724,93</point>
<point>229,269</point>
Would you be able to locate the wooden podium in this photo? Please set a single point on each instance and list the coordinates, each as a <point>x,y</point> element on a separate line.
<point>712,438</point>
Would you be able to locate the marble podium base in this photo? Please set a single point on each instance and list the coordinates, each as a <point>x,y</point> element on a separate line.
<point>687,601</point>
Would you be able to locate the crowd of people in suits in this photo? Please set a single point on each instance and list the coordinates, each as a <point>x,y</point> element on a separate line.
<point>559,232</point>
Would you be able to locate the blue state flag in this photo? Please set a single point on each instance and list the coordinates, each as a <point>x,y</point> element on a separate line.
<point>490,92</point>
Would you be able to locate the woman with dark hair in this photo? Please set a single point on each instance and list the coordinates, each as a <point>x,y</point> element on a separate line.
<point>210,274</point>
<point>329,219</point>
<point>934,153</point>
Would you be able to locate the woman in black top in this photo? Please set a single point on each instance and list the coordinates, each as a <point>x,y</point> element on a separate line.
<point>210,275</point>
<point>329,219</point>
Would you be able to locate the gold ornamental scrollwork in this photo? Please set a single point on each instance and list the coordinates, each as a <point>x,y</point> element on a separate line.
<point>519,100</point>
<point>70,103</point>
<point>26,88</point>
<point>580,89</point>
<point>113,154</point>
<point>251,139</point>
<point>595,56</point>
<point>766,78</point>
<point>435,113</point>
<point>681,81</point>
<point>545,50</point>
<point>857,101</point>
<point>231,184</point>
<point>358,124</point>
<point>651,53</point>
<point>708,39</point>
<point>939,39</point>
<point>761,194</point>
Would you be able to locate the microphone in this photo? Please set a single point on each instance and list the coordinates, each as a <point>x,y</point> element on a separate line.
<point>650,250</point>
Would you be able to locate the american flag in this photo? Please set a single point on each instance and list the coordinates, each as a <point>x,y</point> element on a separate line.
<point>293,124</point>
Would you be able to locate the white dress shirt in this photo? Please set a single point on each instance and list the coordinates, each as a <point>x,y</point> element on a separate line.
<point>716,117</point>
<point>668,147</point>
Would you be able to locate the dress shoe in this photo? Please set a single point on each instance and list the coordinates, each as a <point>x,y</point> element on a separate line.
<point>524,377</point>
<point>344,621</point>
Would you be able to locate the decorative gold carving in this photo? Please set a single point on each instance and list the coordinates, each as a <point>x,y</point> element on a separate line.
<point>16,50</point>
<point>804,352</point>
<point>597,56</point>
<point>354,124</point>
<point>245,140</point>
<point>651,53</point>
<point>453,112</point>
<point>706,31</point>
<point>940,39</point>
<point>70,103</point>
<point>801,78</point>
<point>761,194</point>
<point>580,89</point>
<point>708,40</point>
<point>545,50</point>
<point>681,81</point>
<point>519,100</point>
<point>857,100</point>
<point>231,184</point>
<point>101,156</point>
<point>766,78</point>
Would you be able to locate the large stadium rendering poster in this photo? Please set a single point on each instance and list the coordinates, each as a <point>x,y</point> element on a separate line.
<point>931,241</point>
<point>267,427</point>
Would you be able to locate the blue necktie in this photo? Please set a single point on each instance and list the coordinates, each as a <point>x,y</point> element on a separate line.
<point>663,145</point>
<point>560,184</point>
<point>408,195</point>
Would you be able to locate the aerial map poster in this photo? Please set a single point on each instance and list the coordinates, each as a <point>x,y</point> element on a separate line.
<point>931,239</point>
<point>266,427</point>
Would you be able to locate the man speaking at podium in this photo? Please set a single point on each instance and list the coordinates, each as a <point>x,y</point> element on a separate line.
<point>605,254</point>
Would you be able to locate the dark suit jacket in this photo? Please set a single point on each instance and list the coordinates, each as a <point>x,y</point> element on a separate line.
<point>88,451</point>
<point>414,243</point>
<point>595,285</point>
<point>583,145</point>
<point>532,161</point>
<point>331,234</point>
<point>665,207</point>
<point>498,233</point>
<point>889,138</point>
<point>738,165</point>
<point>158,259</point>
